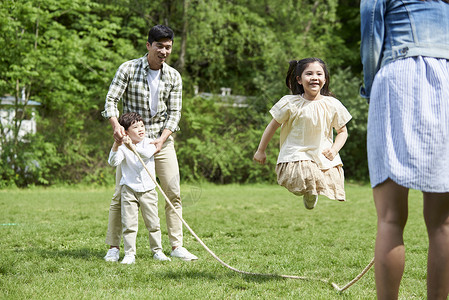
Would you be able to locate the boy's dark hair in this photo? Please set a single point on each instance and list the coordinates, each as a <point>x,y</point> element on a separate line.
<point>297,67</point>
<point>128,119</point>
<point>159,32</point>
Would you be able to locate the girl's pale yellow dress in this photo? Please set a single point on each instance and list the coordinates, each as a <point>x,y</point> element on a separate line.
<point>307,129</point>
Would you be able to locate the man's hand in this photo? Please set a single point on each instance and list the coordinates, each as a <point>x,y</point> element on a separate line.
<point>119,131</point>
<point>159,142</point>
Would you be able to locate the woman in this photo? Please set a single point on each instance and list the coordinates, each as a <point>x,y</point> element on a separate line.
<point>405,55</point>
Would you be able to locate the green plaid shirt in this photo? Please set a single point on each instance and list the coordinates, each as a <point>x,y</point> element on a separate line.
<point>130,84</point>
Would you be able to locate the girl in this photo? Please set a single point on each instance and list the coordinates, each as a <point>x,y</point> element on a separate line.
<point>308,162</point>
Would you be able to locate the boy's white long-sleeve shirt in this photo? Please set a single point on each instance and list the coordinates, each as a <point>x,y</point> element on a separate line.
<point>134,174</point>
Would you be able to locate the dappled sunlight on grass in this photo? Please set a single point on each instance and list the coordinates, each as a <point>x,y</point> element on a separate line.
<point>54,245</point>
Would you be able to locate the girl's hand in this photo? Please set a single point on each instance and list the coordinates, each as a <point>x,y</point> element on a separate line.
<point>330,154</point>
<point>260,157</point>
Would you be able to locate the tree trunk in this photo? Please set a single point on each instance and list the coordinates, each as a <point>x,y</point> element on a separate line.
<point>185,23</point>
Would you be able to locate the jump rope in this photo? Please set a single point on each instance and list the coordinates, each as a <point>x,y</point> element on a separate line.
<point>334,285</point>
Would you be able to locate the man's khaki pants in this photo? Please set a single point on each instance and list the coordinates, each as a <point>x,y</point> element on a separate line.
<point>167,170</point>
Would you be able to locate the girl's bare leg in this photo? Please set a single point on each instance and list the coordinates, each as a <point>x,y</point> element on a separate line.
<point>391,202</point>
<point>436,216</point>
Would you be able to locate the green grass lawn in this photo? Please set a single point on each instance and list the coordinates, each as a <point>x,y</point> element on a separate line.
<point>52,246</point>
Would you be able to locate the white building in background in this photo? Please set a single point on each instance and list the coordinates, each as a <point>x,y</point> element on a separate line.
<point>225,96</point>
<point>8,113</point>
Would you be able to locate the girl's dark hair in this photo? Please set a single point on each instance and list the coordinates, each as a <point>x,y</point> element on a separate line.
<point>128,119</point>
<point>296,69</point>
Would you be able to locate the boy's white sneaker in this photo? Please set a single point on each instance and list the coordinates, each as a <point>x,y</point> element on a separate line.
<point>183,254</point>
<point>310,201</point>
<point>161,256</point>
<point>112,255</point>
<point>129,259</point>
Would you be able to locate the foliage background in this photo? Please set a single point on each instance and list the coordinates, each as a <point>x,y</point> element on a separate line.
<point>64,53</point>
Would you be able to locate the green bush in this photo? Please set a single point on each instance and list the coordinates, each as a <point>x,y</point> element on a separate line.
<point>217,142</point>
<point>29,163</point>
<point>346,88</point>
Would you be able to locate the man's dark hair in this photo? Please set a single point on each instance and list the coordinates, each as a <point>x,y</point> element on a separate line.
<point>159,32</point>
<point>128,119</point>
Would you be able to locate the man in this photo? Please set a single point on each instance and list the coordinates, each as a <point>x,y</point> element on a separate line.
<point>153,89</point>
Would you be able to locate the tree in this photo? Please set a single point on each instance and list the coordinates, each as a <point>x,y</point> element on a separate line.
<point>64,54</point>
<point>56,51</point>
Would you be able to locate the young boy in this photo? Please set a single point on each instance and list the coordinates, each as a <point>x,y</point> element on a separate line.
<point>138,189</point>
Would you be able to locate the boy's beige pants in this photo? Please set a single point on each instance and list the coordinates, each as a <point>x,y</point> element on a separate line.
<point>167,171</point>
<point>130,203</point>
